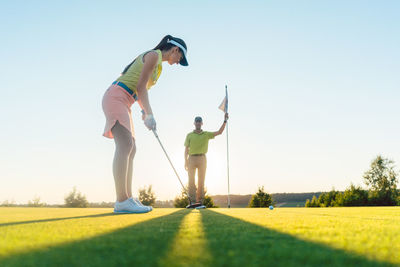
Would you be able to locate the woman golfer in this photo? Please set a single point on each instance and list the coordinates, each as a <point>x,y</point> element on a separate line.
<point>132,86</point>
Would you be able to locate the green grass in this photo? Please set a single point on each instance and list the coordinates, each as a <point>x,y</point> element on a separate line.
<point>367,236</point>
<point>291,204</point>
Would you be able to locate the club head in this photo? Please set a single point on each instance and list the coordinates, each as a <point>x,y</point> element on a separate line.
<point>194,205</point>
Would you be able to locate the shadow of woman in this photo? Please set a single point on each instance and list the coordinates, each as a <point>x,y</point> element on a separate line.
<point>140,244</point>
<point>59,219</point>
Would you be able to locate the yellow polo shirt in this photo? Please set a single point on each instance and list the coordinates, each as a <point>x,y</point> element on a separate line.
<point>198,142</point>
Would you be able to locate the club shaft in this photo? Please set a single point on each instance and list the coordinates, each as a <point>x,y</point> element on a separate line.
<point>172,165</point>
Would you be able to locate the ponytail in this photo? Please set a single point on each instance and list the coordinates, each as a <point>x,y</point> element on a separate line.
<point>164,45</point>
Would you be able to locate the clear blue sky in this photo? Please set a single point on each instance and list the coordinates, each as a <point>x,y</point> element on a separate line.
<point>314,89</point>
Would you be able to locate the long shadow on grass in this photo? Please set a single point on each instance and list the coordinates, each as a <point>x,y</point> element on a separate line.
<point>142,244</point>
<point>233,242</point>
<point>59,219</point>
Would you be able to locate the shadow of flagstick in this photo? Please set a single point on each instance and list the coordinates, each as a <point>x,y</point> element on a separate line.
<point>234,242</point>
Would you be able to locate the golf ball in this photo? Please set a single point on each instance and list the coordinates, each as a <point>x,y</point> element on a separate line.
<point>271,207</point>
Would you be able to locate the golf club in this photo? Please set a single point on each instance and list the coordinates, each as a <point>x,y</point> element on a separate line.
<point>191,205</point>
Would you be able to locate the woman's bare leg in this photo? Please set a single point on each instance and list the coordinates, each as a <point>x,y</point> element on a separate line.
<point>130,170</point>
<point>123,149</point>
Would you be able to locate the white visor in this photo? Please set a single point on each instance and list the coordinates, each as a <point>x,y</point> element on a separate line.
<point>178,45</point>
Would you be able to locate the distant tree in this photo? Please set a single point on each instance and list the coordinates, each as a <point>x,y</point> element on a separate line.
<point>355,196</point>
<point>260,199</point>
<point>314,203</point>
<point>293,197</point>
<point>35,202</point>
<point>8,203</point>
<point>181,201</point>
<point>329,199</point>
<point>75,199</point>
<point>339,201</point>
<point>382,179</point>
<point>208,202</point>
<point>147,196</point>
<point>321,201</point>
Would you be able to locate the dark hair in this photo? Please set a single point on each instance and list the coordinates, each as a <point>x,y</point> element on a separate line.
<point>163,46</point>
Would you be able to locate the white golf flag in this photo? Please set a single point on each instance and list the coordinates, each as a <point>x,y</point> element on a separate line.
<point>224,104</point>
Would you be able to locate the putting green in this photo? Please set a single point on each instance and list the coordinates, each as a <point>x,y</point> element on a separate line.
<point>367,236</point>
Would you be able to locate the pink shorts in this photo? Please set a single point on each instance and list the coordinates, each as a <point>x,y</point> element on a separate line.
<point>117,107</point>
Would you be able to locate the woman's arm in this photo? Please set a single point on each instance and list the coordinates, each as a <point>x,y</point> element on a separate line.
<point>150,61</point>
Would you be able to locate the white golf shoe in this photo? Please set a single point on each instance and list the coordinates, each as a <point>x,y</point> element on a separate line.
<point>137,201</point>
<point>129,206</point>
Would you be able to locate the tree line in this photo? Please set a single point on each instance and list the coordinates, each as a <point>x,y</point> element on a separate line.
<point>381,180</point>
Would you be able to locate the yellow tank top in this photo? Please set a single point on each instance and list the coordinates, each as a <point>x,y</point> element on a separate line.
<point>131,77</point>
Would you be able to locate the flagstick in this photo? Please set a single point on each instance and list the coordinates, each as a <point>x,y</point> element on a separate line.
<point>227,159</point>
<point>227,144</point>
<point>224,108</point>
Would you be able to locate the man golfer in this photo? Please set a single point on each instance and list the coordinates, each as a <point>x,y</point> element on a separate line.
<point>196,147</point>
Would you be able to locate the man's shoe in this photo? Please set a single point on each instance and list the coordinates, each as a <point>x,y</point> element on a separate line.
<point>194,205</point>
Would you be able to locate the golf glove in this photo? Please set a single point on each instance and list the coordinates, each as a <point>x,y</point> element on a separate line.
<point>150,122</point>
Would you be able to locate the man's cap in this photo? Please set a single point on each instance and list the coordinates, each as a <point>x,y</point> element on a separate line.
<point>198,119</point>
